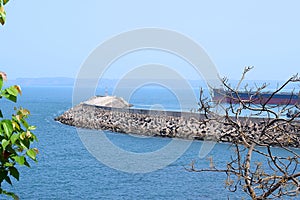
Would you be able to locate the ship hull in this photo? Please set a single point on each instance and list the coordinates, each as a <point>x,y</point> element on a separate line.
<point>223,96</point>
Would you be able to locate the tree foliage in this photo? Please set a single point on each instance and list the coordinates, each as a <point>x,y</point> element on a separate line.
<point>2,11</point>
<point>255,167</point>
<point>16,138</point>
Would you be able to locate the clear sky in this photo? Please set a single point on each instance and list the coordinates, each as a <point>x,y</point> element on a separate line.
<point>53,38</point>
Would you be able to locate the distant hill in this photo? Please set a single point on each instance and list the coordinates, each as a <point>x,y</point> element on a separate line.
<point>42,82</point>
<point>111,83</point>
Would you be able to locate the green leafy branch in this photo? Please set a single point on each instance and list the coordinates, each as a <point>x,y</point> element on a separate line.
<point>16,138</point>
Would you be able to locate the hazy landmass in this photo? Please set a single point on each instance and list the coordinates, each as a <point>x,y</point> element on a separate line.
<point>110,83</point>
<point>42,82</point>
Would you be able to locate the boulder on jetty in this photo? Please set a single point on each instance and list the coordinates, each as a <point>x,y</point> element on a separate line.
<point>114,114</point>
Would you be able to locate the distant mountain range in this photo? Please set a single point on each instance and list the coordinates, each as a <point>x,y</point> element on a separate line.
<point>69,82</point>
<point>31,82</point>
<point>109,83</point>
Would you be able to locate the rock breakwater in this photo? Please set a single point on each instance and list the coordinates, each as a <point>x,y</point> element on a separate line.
<point>170,124</point>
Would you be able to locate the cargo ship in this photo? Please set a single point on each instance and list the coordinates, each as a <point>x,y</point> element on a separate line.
<point>283,98</point>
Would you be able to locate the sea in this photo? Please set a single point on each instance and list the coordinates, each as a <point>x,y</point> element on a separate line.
<point>67,169</point>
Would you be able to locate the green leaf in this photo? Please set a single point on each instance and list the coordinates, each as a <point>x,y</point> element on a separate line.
<point>9,97</point>
<point>14,172</point>
<point>25,124</point>
<point>34,137</point>
<point>5,1</point>
<point>12,90</point>
<point>26,163</point>
<point>31,128</point>
<point>8,180</point>
<point>1,115</point>
<point>31,153</point>
<point>12,98</point>
<point>8,164</point>
<point>2,20</point>
<point>5,143</point>
<point>16,126</point>
<point>22,136</point>
<point>2,16</point>
<point>14,138</point>
<point>19,159</point>
<point>3,174</point>
<point>25,143</point>
<point>7,127</point>
<point>1,82</point>
<point>10,194</point>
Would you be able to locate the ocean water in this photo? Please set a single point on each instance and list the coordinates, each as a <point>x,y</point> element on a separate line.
<point>66,169</point>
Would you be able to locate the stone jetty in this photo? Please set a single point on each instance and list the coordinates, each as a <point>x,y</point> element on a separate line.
<point>115,114</point>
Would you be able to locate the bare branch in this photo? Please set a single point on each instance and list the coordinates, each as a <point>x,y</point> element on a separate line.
<point>253,136</point>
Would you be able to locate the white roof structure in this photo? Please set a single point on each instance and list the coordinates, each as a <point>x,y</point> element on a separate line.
<point>108,101</point>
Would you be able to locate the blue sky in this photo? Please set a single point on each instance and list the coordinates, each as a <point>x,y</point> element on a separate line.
<point>46,39</point>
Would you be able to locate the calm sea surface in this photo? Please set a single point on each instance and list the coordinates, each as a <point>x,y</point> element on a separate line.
<point>66,170</point>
